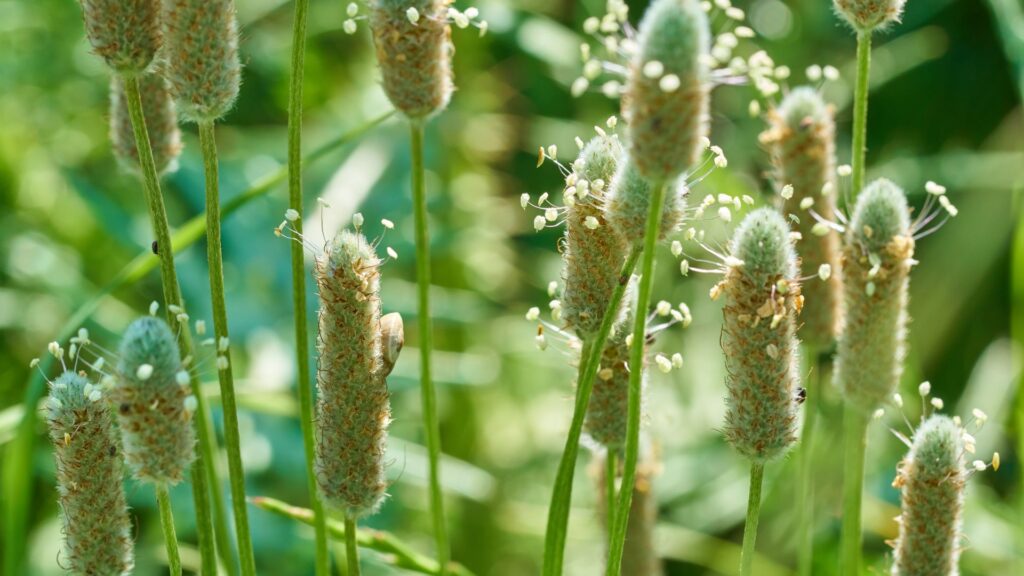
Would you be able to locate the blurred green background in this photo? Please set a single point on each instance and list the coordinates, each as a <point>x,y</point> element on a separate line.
<point>946,106</point>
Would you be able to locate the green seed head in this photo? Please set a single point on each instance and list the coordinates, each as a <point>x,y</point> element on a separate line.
<point>931,480</point>
<point>126,33</point>
<point>609,399</point>
<point>201,56</point>
<point>414,51</point>
<point>630,201</point>
<point>150,398</point>
<point>352,408</point>
<point>759,337</point>
<point>90,473</point>
<point>161,122</point>
<point>868,15</point>
<point>667,93</point>
<point>877,256</point>
<point>801,138</point>
<point>594,250</point>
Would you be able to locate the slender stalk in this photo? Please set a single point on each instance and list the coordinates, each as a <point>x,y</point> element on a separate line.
<point>855,432</point>
<point>561,495</point>
<point>303,382</point>
<point>805,454</point>
<point>351,549</point>
<point>428,393</point>
<point>163,500</point>
<point>610,472</point>
<point>204,475</point>
<point>860,110</point>
<point>220,328</point>
<point>636,361</point>
<point>753,514</point>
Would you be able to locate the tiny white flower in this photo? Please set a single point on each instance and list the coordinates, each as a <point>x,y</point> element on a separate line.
<point>200,327</point>
<point>154,306</point>
<point>391,252</point>
<point>357,219</point>
<point>291,215</point>
<point>669,83</point>
<point>830,73</point>
<point>787,191</point>
<point>352,9</point>
<point>820,229</point>
<point>878,414</point>
<point>412,14</point>
<point>33,363</point>
<point>897,400</point>
<point>144,371</point>
<point>551,214</point>
<point>754,108</point>
<point>825,271</point>
<point>979,465</point>
<point>552,288</point>
<point>844,170</point>
<point>744,32</point>
<point>591,25</point>
<point>869,289</point>
<point>222,363</point>
<point>684,267</point>
<point>524,200</point>
<point>222,343</point>
<point>654,69</point>
<point>538,223</point>
<point>772,351</point>
<point>533,313</point>
<point>94,395</point>
<point>663,308</point>
<point>677,248</point>
<point>806,203</point>
<point>813,73</point>
<point>677,360</point>
<point>349,26</point>
<point>945,203</point>
<point>979,415</point>
<point>611,89</point>
<point>725,214</point>
<point>191,404</point>
<point>924,388</point>
<point>935,189</point>
<point>387,223</point>
<point>579,86</point>
<point>937,403</point>
<point>664,364</point>
<point>541,341</point>
<point>591,222</point>
<point>181,378</point>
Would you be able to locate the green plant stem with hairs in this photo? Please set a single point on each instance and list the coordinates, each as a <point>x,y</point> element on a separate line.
<point>753,514</point>
<point>609,489</point>
<point>855,439</point>
<point>303,382</point>
<point>426,337</point>
<point>636,360</point>
<point>220,328</point>
<point>561,495</point>
<point>805,465</point>
<point>351,547</point>
<point>203,472</point>
<point>860,110</point>
<point>163,500</point>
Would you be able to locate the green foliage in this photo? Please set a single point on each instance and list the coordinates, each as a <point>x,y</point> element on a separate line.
<point>90,472</point>
<point>759,337</point>
<point>667,112</point>
<point>931,480</point>
<point>352,406</point>
<point>201,56</point>
<point>877,256</point>
<point>151,399</point>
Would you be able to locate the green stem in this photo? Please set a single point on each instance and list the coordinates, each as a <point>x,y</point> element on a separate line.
<point>203,473</point>
<point>860,110</point>
<point>220,329</point>
<point>561,495</point>
<point>610,473</point>
<point>303,382</point>
<point>393,551</point>
<point>855,432</point>
<point>753,514</point>
<point>805,457</point>
<point>636,362</point>
<point>426,337</point>
<point>351,548</point>
<point>163,500</point>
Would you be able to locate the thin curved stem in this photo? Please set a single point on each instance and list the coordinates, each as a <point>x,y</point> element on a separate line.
<point>636,362</point>
<point>610,473</point>
<point>753,514</point>
<point>561,495</point>
<point>855,430</point>
<point>351,548</point>
<point>303,382</point>
<point>203,473</point>
<point>426,336</point>
<point>220,328</point>
<point>860,110</point>
<point>163,500</point>
<point>805,455</point>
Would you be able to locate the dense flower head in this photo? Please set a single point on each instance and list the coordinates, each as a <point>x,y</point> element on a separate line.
<point>629,203</point>
<point>609,400</point>
<point>868,15</point>
<point>90,474</point>
<point>161,123</point>
<point>125,33</point>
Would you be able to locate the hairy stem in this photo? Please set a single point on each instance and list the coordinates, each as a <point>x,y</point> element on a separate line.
<point>220,328</point>
<point>860,110</point>
<point>610,473</point>
<point>636,362</point>
<point>426,337</point>
<point>303,382</point>
<point>163,500</point>
<point>561,495</point>
<point>753,514</point>
<point>203,472</point>
<point>805,457</point>
<point>855,430</point>
<point>351,548</point>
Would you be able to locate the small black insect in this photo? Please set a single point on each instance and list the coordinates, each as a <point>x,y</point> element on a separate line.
<point>801,395</point>
<point>155,247</point>
<point>112,450</point>
<point>124,408</point>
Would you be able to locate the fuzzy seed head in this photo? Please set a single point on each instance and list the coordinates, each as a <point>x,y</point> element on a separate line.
<point>609,399</point>
<point>801,138</point>
<point>668,114</point>
<point>352,406</point>
<point>592,255</point>
<point>414,54</point>
<point>877,256</point>
<point>868,15</point>
<point>125,33</point>
<point>630,201</point>
<point>932,479</point>
<point>161,123</point>
<point>201,56</point>
<point>97,530</point>
<point>155,425</point>
<point>759,338</point>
